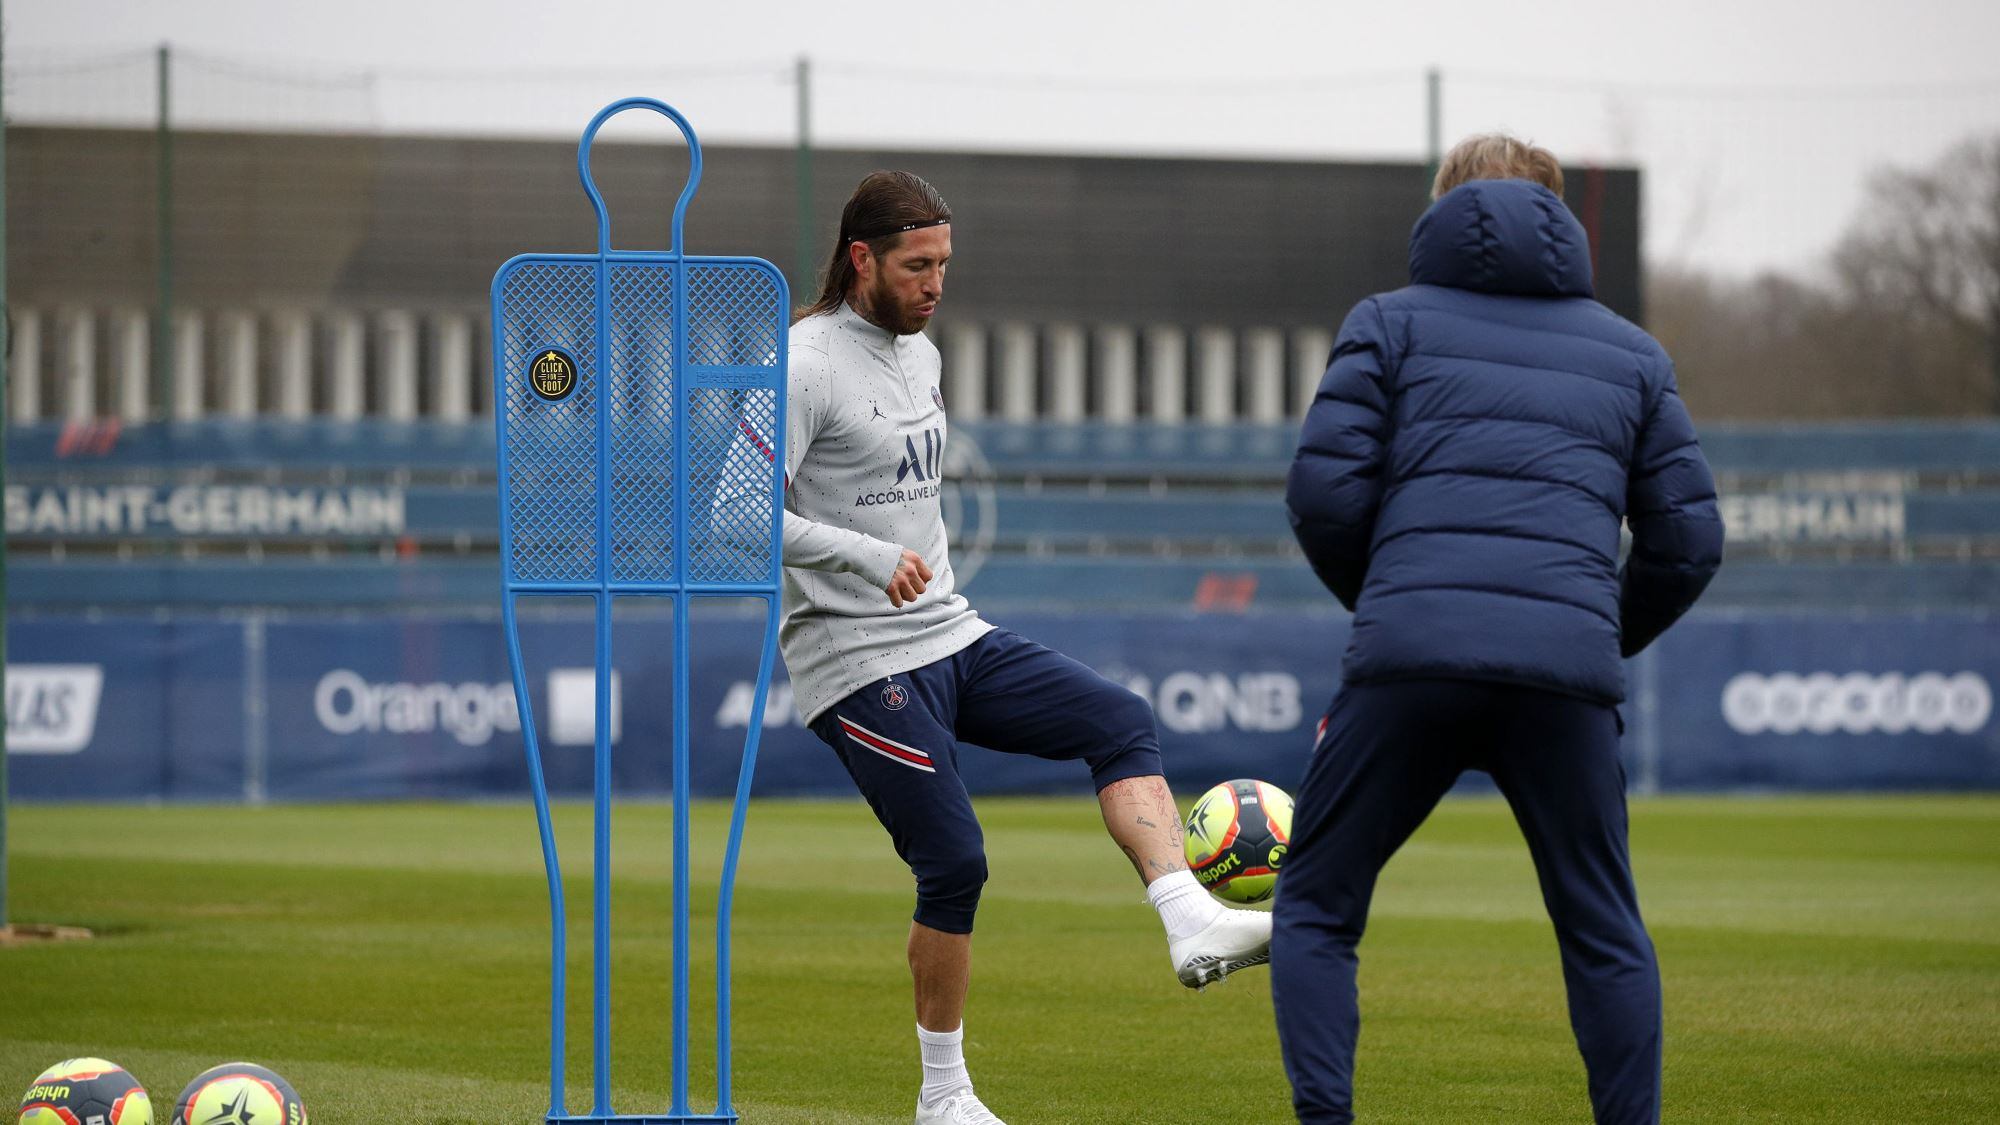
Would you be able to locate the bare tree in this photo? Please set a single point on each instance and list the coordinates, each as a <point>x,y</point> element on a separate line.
<point>1906,324</point>
<point>1774,347</point>
<point>1927,245</point>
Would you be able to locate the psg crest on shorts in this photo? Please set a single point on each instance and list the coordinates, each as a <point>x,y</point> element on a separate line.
<point>937,396</point>
<point>895,696</point>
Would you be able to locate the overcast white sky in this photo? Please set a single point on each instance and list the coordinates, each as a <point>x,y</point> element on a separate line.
<point>1754,120</point>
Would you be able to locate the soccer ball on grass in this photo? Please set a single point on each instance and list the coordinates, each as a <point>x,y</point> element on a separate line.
<point>239,1093</point>
<point>86,1092</point>
<point>1237,836</point>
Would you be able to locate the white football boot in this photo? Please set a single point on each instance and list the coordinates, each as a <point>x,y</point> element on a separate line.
<point>962,1108</point>
<point>1237,939</point>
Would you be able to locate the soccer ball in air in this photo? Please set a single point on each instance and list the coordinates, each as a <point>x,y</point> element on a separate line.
<point>239,1093</point>
<point>1236,839</point>
<point>86,1092</point>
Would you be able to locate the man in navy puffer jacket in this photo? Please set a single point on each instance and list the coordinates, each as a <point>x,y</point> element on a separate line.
<point>1459,485</point>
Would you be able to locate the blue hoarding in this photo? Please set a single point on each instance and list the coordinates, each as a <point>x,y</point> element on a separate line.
<point>1826,701</point>
<point>375,708</point>
<point>324,708</point>
<point>121,708</point>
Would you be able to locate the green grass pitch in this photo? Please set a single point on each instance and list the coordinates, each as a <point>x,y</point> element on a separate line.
<point>1825,959</point>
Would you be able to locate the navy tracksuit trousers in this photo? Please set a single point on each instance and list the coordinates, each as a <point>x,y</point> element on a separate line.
<point>1390,750</point>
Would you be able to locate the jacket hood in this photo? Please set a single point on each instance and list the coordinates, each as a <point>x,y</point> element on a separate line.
<point>1501,236</point>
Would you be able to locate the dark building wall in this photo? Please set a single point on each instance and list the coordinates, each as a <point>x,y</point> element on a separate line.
<point>269,219</point>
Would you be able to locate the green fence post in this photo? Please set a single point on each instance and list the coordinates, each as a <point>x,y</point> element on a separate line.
<point>1433,124</point>
<point>804,252</point>
<point>163,227</point>
<point>6,345</point>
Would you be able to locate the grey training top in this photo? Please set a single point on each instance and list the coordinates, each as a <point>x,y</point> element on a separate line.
<point>864,441</point>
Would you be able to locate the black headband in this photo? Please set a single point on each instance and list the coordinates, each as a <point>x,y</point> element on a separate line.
<point>887,231</point>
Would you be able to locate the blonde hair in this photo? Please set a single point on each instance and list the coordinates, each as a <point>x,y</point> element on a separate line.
<point>1497,156</point>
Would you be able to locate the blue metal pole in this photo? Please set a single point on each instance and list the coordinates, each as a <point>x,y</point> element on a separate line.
<point>601,388</point>
<point>600,935</point>
<point>558,913</point>
<point>725,907</point>
<point>538,785</point>
<point>739,816</point>
<point>682,625</point>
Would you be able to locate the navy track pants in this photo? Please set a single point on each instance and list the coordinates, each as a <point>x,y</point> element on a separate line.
<point>898,738</point>
<point>1389,752</point>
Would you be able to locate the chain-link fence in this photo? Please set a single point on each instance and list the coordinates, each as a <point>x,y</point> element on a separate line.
<point>1740,177</point>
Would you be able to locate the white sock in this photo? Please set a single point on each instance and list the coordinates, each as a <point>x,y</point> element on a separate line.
<point>1185,906</point>
<point>944,1064</point>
